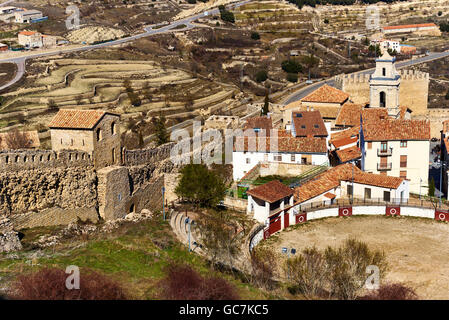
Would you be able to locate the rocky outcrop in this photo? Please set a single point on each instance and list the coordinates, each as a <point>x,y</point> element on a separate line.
<point>9,241</point>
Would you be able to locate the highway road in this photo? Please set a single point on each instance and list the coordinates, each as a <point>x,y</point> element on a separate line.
<point>149,31</point>
<point>301,93</point>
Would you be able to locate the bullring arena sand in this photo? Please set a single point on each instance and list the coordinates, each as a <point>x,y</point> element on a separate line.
<point>416,248</point>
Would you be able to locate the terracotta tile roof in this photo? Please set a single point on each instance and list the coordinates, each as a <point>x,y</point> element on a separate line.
<point>349,154</point>
<point>326,111</point>
<point>32,137</point>
<point>397,129</point>
<point>27,33</point>
<point>405,26</point>
<point>284,144</point>
<point>326,94</point>
<point>271,191</point>
<point>77,119</point>
<point>344,137</point>
<point>349,114</point>
<point>308,124</point>
<point>330,195</point>
<point>331,179</point>
<point>259,123</point>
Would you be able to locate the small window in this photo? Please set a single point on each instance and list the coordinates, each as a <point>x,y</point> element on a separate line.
<point>71,142</point>
<point>292,158</point>
<point>367,193</point>
<point>403,161</point>
<point>403,174</point>
<point>248,160</point>
<point>316,126</point>
<point>370,145</point>
<point>387,196</point>
<point>61,140</point>
<point>384,72</point>
<point>278,157</point>
<point>99,134</point>
<point>403,144</point>
<point>113,128</point>
<point>303,126</point>
<point>349,189</point>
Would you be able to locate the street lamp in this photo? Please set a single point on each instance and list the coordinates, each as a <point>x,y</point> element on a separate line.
<point>163,201</point>
<point>287,251</point>
<point>189,222</point>
<point>442,164</point>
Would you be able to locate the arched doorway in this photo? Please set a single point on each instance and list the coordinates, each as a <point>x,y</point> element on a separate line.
<point>382,99</point>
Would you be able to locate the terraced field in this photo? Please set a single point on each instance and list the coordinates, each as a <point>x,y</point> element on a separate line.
<point>271,16</point>
<point>100,84</point>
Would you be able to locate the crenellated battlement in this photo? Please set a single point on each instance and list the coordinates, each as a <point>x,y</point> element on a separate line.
<point>148,155</point>
<point>342,80</point>
<point>15,160</point>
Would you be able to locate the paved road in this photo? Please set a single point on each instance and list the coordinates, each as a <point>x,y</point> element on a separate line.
<point>150,30</point>
<point>301,93</point>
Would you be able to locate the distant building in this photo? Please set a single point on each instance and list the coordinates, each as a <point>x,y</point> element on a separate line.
<point>30,39</point>
<point>27,16</point>
<point>3,47</point>
<point>407,49</point>
<point>430,29</point>
<point>6,10</point>
<point>93,131</point>
<point>34,39</point>
<point>387,44</point>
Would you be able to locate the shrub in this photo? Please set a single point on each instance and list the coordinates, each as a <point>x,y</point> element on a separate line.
<point>292,77</point>
<point>227,16</point>
<point>183,283</point>
<point>393,291</point>
<point>50,284</point>
<point>261,75</point>
<point>255,35</point>
<point>338,273</point>
<point>263,265</point>
<point>291,66</point>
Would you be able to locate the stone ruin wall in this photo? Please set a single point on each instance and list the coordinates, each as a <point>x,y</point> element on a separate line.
<point>413,90</point>
<point>33,181</point>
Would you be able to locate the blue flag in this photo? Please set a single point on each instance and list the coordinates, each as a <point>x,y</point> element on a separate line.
<point>362,143</point>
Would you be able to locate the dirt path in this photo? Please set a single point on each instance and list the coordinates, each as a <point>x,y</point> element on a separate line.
<point>416,249</point>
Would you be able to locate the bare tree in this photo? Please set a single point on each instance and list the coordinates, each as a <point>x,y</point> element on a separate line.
<point>16,139</point>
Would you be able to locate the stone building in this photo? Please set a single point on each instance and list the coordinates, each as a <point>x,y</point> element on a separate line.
<point>94,131</point>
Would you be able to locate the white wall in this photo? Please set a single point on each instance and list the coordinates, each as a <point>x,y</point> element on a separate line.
<point>241,167</point>
<point>417,153</point>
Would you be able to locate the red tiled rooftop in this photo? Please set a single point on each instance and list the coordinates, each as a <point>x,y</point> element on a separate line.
<point>397,129</point>
<point>271,191</point>
<point>327,94</point>
<point>405,26</point>
<point>77,119</point>
<point>308,124</point>
<point>331,179</point>
<point>349,154</point>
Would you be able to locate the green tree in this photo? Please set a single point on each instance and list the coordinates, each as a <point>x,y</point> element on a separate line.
<point>261,75</point>
<point>291,66</point>
<point>200,186</point>
<point>255,35</point>
<point>310,61</point>
<point>160,130</point>
<point>447,95</point>
<point>432,188</point>
<point>227,16</point>
<point>292,77</point>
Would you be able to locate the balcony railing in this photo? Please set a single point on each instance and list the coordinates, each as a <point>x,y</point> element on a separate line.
<point>384,166</point>
<point>385,152</point>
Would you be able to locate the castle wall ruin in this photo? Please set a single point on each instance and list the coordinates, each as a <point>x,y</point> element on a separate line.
<point>413,90</point>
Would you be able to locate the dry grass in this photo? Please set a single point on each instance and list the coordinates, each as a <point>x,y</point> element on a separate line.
<point>415,248</point>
